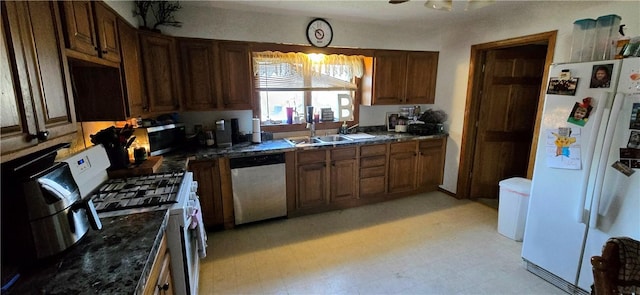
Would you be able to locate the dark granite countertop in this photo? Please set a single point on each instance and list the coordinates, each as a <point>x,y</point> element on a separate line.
<point>114,260</point>
<point>178,160</point>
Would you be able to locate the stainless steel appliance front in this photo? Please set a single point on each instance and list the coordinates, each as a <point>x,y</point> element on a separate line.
<point>259,187</point>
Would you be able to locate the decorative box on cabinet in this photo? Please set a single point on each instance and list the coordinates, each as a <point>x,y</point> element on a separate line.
<point>38,108</point>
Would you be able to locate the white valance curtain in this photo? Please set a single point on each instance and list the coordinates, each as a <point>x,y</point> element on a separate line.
<point>279,64</point>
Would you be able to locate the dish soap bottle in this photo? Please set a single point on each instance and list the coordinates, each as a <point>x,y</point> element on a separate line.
<point>343,128</point>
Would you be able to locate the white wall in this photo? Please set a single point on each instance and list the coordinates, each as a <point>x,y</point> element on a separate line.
<point>453,42</point>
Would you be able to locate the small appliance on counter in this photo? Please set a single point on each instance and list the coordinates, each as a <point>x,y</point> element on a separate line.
<point>223,133</point>
<point>43,212</point>
<point>161,139</point>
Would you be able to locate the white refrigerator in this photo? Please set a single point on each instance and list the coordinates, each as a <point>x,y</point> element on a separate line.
<point>578,198</point>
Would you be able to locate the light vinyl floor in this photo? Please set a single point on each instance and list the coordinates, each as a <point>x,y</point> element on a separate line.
<point>426,244</point>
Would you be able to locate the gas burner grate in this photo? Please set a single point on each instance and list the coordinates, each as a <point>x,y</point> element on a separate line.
<point>139,191</point>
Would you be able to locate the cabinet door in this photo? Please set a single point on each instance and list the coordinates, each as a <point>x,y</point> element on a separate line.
<point>40,72</point>
<point>106,21</point>
<point>80,27</point>
<point>165,280</point>
<point>402,167</point>
<point>207,174</point>
<point>389,73</point>
<point>422,68</point>
<point>161,72</point>
<point>430,163</point>
<point>344,174</point>
<point>198,74</point>
<point>132,69</point>
<point>312,181</point>
<point>236,76</point>
<point>15,107</point>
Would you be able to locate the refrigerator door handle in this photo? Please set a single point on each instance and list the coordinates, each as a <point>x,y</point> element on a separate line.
<point>599,114</point>
<point>604,156</point>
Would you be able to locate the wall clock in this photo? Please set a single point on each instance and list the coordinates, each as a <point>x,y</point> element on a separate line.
<point>319,33</point>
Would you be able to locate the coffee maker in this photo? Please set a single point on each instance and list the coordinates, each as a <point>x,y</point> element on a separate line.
<point>43,213</point>
<point>223,133</point>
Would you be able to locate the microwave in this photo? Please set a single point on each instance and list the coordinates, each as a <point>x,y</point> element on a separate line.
<point>161,139</point>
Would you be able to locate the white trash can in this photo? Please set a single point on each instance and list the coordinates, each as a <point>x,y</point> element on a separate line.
<point>512,207</point>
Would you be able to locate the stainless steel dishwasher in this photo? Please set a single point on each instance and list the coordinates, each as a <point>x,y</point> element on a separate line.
<point>259,187</point>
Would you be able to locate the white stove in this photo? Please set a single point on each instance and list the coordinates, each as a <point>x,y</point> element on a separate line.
<point>173,191</point>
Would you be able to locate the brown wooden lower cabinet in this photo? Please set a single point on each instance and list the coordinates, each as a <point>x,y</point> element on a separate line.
<point>373,170</point>
<point>327,179</point>
<point>207,174</point>
<point>430,166</point>
<point>160,280</point>
<point>402,166</point>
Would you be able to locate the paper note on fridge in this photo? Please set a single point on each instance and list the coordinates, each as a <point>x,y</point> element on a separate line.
<point>563,148</point>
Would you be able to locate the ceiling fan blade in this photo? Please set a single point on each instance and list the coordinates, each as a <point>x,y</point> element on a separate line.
<point>439,4</point>
<point>397,1</point>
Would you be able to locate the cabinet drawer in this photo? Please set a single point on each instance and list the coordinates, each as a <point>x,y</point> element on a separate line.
<point>403,147</point>
<point>372,161</point>
<point>372,171</point>
<point>431,143</point>
<point>371,186</point>
<point>343,154</point>
<point>373,150</point>
<point>306,157</point>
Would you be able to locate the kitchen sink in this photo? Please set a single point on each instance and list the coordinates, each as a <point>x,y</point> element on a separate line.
<point>332,138</point>
<point>316,140</point>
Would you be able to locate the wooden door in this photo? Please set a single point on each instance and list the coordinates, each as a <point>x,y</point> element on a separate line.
<point>80,27</point>
<point>422,69</point>
<point>106,21</point>
<point>506,118</point>
<point>389,74</point>
<point>430,163</point>
<point>344,174</point>
<point>402,166</point>
<point>132,69</point>
<point>207,174</point>
<point>161,72</point>
<point>198,74</point>
<point>236,75</point>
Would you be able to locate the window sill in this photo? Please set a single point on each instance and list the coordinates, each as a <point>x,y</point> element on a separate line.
<point>301,127</point>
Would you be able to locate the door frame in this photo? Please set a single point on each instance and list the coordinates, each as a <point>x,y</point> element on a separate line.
<point>475,85</point>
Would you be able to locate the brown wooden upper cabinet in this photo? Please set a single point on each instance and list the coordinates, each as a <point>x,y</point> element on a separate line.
<point>404,77</point>
<point>199,67</point>
<point>161,71</point>
<point>236,76</point>
<point>91,31</point>
<point>38,109</point>
<point>131,70</point>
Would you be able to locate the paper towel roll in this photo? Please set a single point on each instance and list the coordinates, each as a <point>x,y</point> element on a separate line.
<point>255,137</point>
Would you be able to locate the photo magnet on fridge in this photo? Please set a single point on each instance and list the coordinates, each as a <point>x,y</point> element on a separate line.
<point>601,76</point>
<point>562,87</point>
<point>580,112</point>
<point>635,116</point>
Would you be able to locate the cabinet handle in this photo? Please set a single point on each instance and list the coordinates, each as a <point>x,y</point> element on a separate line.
<point>104,51</point>
<point>41,136</point>
<point>164,287</point>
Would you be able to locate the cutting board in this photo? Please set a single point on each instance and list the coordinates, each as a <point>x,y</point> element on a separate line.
<point>151,165</point>
<point>359,136</point>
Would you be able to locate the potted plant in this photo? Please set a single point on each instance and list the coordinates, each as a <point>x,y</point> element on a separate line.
<point>163,12</point>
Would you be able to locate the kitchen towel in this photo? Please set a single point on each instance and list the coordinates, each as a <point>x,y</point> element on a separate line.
<point>255,138</point>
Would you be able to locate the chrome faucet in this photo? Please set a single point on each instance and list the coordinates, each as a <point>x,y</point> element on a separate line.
<point>312,126</point>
